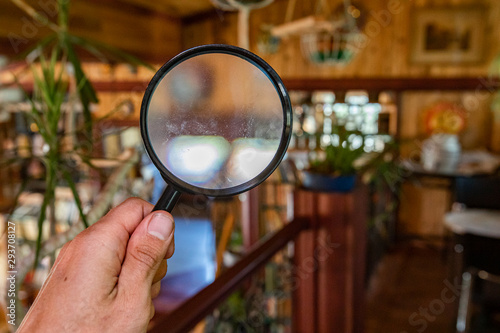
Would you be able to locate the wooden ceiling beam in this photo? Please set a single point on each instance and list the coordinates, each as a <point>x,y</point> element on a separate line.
<point>138,7</point>
<point>174,8</point>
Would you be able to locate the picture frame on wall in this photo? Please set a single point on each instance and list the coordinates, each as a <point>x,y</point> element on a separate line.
<point>448,35</point>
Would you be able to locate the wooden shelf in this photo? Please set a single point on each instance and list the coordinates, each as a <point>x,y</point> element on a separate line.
<point>106,86</point>
<point>370,84</point>
<point>396,84</point>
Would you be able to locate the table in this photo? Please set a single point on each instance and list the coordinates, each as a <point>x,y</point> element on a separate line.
<point>479,222</point>
<point>429,194</point>
<point>471,163</point>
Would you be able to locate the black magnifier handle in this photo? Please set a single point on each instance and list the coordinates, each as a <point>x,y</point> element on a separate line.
<point>168,199</point>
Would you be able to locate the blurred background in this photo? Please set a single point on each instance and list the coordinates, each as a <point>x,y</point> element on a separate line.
<point>384,215</point>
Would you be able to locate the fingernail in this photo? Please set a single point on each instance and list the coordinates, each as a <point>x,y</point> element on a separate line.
<point>160,226</point>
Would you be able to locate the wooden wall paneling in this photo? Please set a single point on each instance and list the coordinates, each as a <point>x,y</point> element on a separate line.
<point>218,28</point>
<point>147,34</point>
<point>17,29</point>
<point>175,7</point>
<point>154,33</point>
<point>165,40</point>
<point>476,103</point>
<point>422,208</point>
<point>399,37</point>
<point>198,33</point>
<point>387,47</point>
<point>479,125</point>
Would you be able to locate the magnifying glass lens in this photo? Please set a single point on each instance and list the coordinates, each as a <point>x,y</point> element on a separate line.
<point>216,120</point>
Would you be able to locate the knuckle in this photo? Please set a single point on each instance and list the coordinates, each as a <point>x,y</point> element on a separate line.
<point>133,201</point>
<point>128,203</point>
<point>66,246</point>
<point>152,312</point>
<point>81,240</point>
<point>155,289</point>
<point>63,250</point>
<point>171,250</point>
<point>162,270</point>
<point>146,255</point>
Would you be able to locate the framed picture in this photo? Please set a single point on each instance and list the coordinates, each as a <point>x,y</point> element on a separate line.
<point>452,35</point>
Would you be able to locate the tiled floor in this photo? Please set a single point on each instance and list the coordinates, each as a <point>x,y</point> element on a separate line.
<point>412,291</point>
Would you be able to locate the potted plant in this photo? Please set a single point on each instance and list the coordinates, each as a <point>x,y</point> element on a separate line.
<point>60,86</point>
<point>334,168</point>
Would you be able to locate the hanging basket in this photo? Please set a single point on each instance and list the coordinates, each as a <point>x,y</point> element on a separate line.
<point>329,47</point>
<point>232,5</point>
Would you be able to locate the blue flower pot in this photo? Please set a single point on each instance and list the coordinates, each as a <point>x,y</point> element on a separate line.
<point>326,183</point>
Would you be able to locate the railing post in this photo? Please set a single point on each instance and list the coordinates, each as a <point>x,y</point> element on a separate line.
<point>330,262</point>
<point>304,303</point>
<point>250,217</point>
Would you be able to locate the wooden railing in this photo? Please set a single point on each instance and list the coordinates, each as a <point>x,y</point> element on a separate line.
<point>186,316</point>
<point>327,282</point>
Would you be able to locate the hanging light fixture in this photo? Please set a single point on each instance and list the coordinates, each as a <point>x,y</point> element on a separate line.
<point>328,37</point>
<point>334,44</point>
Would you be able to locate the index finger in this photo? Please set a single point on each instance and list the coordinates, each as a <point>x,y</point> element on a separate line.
<point>129,213</point>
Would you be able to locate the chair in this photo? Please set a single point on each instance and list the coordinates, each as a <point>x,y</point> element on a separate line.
<point>476,229</point>
<point>479,191</point>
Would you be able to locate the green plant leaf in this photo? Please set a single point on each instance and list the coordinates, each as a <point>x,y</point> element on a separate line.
<point>41,219</point>
<point>40,45</point>
<point>92,49</point>
<point>63,14</point>
<point>86,91</point>
<point>76,196</point>
<point>36,15</point>
<point>340,158</point>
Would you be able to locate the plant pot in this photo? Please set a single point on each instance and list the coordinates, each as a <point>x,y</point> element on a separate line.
<point>327,183</point>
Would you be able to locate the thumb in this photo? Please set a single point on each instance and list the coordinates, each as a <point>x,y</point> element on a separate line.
<point>147,247</point>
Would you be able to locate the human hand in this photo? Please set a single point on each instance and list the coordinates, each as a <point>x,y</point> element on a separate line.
<point>104,279</point>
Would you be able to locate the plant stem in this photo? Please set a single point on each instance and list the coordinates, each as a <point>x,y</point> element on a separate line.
<point>35,14</point>
<point>51,214</point>
<point>103,201</point>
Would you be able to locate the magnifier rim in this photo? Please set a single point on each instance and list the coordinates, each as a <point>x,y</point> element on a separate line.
<point>175,181</point>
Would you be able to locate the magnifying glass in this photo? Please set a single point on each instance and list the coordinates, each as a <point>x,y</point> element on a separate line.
<point>215,120</point>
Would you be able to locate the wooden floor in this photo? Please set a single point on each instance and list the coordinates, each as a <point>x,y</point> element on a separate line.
<point>411,291</point>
